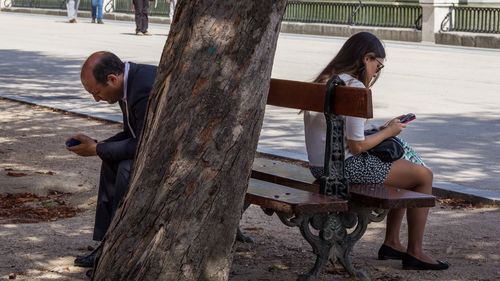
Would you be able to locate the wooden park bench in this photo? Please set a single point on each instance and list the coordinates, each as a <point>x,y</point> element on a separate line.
<point>338,212</point>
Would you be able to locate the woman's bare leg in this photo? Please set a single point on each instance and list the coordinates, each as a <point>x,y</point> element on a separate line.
<point>407,175</point>
<point>393,228</point>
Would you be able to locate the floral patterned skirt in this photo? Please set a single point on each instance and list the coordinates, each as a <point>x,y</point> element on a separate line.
<point>368,169</point>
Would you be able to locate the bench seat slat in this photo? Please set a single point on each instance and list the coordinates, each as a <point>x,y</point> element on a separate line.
<point>349,101</point>
<point>373,196</point>
<point>289,200</point>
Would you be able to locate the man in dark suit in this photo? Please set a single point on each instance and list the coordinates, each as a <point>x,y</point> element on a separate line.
<point>109,79</point>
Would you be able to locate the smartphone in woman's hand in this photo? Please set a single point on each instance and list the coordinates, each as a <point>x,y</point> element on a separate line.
<point>407,118</point>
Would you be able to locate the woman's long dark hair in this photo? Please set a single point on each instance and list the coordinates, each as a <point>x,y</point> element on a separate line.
<point>350,58</point>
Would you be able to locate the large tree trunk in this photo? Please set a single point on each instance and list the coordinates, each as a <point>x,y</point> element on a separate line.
<point>179,220</point>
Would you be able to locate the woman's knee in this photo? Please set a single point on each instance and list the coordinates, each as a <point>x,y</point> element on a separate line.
<point>408,175</point>
<point>425,177</point>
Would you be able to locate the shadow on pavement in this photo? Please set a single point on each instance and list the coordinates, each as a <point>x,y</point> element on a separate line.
<point>38,78</point>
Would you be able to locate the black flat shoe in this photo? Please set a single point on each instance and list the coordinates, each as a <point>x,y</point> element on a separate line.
<point>86,261</point>
<point>412,263</point>
<point>387,253</point>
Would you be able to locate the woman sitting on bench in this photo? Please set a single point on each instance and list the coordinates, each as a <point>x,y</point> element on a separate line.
<point>358,64</point>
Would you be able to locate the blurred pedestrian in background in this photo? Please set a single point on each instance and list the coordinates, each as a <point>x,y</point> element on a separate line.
<point>97,11</point>
<point>141,17</point>
<point>72,7</point>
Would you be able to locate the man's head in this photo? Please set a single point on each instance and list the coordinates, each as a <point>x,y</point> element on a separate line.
<point>102,76</point>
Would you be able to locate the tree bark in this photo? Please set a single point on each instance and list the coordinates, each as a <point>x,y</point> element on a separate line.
<point>179,219</point>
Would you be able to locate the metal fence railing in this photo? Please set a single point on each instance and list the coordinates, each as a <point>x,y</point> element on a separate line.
<point>48,4</point>
<point>383,15</point>
<point>472,19</point>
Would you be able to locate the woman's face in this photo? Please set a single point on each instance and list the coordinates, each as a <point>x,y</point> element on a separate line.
<point>373,66</point>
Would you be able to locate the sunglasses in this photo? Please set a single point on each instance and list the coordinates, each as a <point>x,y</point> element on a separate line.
<point>380,65</point>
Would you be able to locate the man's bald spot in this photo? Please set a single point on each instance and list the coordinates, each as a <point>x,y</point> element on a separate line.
<point>90,63</point>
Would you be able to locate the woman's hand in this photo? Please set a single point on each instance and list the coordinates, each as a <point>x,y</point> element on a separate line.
<point>390,129</point>
<point>394,127</point>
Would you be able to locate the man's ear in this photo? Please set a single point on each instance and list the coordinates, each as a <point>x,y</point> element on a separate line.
<point>112,79</point>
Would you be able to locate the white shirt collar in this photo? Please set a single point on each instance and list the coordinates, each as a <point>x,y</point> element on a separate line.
<point>125,80</point>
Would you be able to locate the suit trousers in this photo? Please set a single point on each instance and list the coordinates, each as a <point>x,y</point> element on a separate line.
<point>113,186</point>
<point>141,15</point>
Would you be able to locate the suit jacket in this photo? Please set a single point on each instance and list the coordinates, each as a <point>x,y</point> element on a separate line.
<point>122,146</point>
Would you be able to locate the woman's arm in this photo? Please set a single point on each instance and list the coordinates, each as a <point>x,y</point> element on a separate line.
<point>393,128</point>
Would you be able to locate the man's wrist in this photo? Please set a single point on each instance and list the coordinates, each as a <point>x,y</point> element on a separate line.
<point>95,147</point>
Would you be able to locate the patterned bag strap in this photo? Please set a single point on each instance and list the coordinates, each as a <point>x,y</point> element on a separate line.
<point>333,181</point>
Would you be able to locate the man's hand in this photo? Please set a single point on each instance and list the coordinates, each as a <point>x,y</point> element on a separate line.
<point>87,147</point>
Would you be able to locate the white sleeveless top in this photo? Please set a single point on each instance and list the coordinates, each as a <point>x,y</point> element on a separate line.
<point>315,129</point>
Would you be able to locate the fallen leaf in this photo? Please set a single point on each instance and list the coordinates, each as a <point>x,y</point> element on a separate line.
<point>13,174</point>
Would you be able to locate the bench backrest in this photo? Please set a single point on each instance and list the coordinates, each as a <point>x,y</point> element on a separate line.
<point>311,96</point>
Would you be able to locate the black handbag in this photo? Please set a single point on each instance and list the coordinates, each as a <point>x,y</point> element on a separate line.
<point>389,150</point>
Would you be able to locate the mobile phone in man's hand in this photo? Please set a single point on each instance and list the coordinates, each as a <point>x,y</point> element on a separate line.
<point>72,142</point>
<point>407,118</point>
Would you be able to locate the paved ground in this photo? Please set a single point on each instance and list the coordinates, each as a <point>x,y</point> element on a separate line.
<point>452,90</point>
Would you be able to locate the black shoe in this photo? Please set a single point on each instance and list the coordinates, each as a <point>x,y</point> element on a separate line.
<point>89,273</point>
<point>100,22</point>
<point>412,263</point>
<point>88,260</point>
<point>93,20</point>
<point>387,253</point>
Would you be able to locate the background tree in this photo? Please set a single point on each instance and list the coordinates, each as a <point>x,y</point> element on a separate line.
<point>205,114</point>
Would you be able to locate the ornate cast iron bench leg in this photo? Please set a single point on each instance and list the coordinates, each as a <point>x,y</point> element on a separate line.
<point>343,246</point>
<point>358,219</point>
<point>320,243</point>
